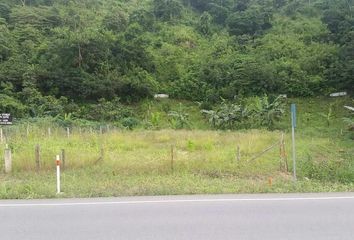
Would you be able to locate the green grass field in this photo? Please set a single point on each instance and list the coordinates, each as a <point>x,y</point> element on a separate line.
<point>139,162</point>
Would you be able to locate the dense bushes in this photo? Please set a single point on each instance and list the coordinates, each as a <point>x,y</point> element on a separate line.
<point>83,51</point>
<point>249,113</point>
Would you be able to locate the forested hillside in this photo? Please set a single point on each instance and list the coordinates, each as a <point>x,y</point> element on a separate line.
<point>57,56</point>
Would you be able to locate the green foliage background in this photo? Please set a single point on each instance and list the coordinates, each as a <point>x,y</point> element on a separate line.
<point>61,57</point>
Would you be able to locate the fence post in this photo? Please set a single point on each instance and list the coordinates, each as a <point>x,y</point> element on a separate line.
<point>101,155</point>
<point>172,158</point>
<point>68,132</point>
<point>293,126</point>
<point>63,158</point>
<point>238,154</point>
<point>281,152</point>
<point>1,136</point>
<point>270,181</point>
<point>8,159</point>
<point>49,132</point>
<point>37,157</point>
<point>283,158</point>
<point>58,173</point>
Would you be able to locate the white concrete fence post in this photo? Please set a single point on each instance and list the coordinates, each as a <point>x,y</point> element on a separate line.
<point>58,173</point>
<point>8,159</point>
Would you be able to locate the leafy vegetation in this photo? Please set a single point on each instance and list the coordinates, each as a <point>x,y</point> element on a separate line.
<point>94,66</point>
<point>57,57</point>
<point>255,112</point>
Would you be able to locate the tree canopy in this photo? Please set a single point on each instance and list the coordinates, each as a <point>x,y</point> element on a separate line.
<point>83,51</point>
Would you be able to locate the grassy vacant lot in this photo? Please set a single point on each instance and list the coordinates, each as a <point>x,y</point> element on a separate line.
<point>140,162</point>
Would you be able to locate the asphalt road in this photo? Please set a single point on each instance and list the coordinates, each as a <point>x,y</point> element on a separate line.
<point>236,217</point>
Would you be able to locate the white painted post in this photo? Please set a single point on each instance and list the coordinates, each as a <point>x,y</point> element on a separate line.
<point>1,136</point>
<point>68,132</point>
<point>58,173</point>
<point>49,132</point>
<point>294,155</point>
<point>8,159</point>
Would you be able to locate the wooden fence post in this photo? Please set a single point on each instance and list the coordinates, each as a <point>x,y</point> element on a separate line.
<point>172,158</point>
<point>8,160</point>
<point>102,154</point>
<point>37,157</point>
<point>63,158</point>
<point>281,152</point>
<point>283,159</point>
<point>270,181</point>
<point>238,154</point>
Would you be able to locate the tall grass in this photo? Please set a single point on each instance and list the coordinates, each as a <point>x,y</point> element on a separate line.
<point>212,153</point>
<point>139,162</point>
<point>136,152</point>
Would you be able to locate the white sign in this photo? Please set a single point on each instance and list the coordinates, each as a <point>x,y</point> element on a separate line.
<point>161,96</point>
<point>338,94</point>
<point>350,108</point>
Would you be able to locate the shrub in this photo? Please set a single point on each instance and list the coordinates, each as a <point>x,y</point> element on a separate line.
<point>11,105</point>
<point>179,119</point>
<point>253,112</point>
<point>110,111</point>
<point>130,122</point>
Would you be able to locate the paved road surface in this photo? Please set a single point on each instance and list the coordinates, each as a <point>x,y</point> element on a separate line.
<point>236,217</point>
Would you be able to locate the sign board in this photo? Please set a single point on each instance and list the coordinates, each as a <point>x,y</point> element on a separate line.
<point>161,96</point>
<point>350,108</point>
<point>5,119</point>
<point>338,94</point>
<point>293,115</point>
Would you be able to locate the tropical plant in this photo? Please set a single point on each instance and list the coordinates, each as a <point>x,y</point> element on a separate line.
<point>266,112</point>
<point>254,112</point>
<point>328,115</point>
<point>226,116</point>
<point>179,119</point>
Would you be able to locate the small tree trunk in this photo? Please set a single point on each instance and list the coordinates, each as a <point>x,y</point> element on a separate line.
<point>37,157</point>
<point>80,56</point>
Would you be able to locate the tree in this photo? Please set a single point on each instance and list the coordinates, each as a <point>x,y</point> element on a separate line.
<point>167,9</point>
<point>43,18</point>
<point>115,21</point>
<point>144,18</point>
<point>249,22</point>
<point>204,25</point>
<point>6,46</point>
<point>5,11</point>
<point>218,13</point>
